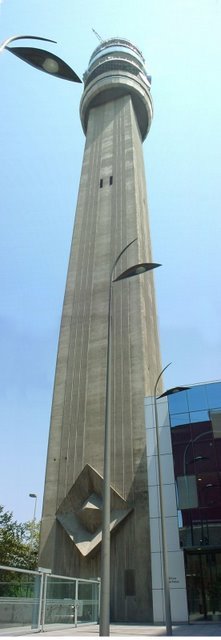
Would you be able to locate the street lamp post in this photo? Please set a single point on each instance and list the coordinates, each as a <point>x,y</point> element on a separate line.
<point>161,504</point>
<point>33,495</point>
<point>105,547</point>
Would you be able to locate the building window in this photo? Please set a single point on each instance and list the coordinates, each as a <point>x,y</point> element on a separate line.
<point>101,183</point>
<point>111,180</point>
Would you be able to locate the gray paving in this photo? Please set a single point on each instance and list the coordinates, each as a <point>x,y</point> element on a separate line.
<point>124,630</point>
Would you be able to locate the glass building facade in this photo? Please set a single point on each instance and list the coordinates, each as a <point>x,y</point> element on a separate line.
<point>195,419</point>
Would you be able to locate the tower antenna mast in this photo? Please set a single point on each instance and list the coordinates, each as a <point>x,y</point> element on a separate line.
<point>97,35</point>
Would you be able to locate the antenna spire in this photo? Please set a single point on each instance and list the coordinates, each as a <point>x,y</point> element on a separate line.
<point>97,35</point>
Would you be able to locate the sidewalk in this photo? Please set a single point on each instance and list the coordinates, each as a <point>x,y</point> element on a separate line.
<point>123,630</point>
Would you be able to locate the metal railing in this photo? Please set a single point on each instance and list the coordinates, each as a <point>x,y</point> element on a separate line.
<point>39,600</point>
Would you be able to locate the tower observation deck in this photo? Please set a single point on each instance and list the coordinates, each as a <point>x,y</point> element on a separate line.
<point>116,114</point>
<point>116,68</point>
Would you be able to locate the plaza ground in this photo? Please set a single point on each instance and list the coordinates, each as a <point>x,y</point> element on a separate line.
<point>124,630</point>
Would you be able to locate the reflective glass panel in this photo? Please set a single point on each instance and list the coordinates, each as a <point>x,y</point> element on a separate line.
<point>209,492</point>
<point>215,417</point>
<point>178,402</point>
<point>187,492</point>
<point>203,576</point>
<point>181,434</point>
<point>218,455</point>
<point>204,458</point>
<point>213,392</point>
<point>199,416</point>
<point>179,419</point>
<point>181,454</point>
<point>197,398</point>
<point>180,518</point>
<point>188,456</point>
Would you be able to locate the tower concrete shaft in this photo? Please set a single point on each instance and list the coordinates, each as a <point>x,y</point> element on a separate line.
<point>116,111</point>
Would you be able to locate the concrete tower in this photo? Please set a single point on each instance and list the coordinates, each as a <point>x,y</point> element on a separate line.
<point>116,114</point>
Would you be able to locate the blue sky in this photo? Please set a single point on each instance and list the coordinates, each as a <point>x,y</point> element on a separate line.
<point>42,145</point>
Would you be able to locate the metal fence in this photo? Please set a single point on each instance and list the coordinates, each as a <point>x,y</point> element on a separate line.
<point>39,600</point>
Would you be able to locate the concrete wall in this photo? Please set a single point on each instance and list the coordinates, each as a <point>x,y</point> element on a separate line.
<point>19,611</point>
<point>16,611</point>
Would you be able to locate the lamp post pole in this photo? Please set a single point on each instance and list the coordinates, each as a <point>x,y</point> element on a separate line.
<point>33,495</point>
<point>162,519</point>
<point>105,546</point>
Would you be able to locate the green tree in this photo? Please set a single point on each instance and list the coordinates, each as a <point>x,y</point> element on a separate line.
<point>18,542</point>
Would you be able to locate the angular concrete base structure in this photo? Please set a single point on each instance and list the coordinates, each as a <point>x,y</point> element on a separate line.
<point>111,212</point>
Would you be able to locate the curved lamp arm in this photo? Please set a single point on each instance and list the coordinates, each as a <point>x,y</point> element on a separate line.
<point>119,256</point>
<point>6,42</point>
<point>161,373</point>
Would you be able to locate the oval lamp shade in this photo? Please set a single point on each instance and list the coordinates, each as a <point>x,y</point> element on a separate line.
<point>45,61</point>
